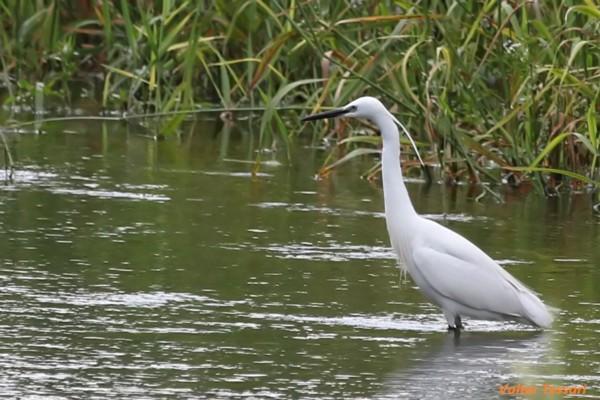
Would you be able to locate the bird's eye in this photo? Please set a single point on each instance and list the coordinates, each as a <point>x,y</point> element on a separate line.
<point>352,108</point>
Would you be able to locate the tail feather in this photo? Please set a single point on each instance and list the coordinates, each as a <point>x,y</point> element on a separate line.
<point>535,311</point>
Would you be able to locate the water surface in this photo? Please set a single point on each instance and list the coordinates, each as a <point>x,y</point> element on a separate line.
<point>132,268</point>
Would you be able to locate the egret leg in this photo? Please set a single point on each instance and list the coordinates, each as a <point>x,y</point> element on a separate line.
<point>458,322</point>
<point>454,321</point>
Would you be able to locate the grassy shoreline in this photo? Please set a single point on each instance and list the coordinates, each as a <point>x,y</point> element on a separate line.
<point>481,84</point>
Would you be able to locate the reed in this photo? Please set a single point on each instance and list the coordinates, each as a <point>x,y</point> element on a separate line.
<point>492,90</point>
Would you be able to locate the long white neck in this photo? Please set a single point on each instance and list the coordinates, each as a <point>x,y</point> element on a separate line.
<point>399,211</point>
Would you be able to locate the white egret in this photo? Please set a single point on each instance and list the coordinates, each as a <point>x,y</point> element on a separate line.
<point>451,271</point>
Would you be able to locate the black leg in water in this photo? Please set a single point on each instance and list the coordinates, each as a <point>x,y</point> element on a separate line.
<point>458,322</point>
<point>458,326</point>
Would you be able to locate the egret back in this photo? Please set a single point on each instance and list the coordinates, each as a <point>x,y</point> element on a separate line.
<point>451,267</point>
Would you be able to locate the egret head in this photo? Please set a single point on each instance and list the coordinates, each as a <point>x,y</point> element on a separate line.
<point>363,107</point>
<point>372,109</point>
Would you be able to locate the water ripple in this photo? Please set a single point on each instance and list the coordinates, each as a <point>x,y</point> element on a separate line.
<point>302,207</point>
<point>111,194</point>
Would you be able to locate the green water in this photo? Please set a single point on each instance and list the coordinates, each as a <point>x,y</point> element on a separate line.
<point>138,269</point>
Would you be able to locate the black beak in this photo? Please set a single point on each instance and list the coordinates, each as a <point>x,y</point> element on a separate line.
<point>327,114</point>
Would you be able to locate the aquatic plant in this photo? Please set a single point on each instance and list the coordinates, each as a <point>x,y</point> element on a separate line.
<point>492,90</point>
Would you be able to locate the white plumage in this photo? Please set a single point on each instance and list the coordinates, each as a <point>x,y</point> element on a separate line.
<point>451,271</point>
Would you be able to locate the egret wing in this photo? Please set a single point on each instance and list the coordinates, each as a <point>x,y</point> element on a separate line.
<point>474,286</point>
